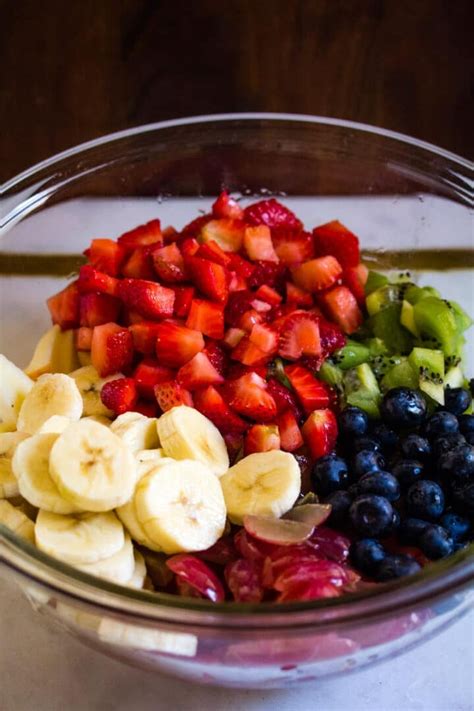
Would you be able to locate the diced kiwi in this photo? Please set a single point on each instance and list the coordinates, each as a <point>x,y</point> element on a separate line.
<point>386,326</point>
<point>429,364</point>
<point>463,320</point>
<point>434,319</point>
<point>352,354</point>
<point>376,347</point>
<point>402,374</point>
<point>383,363</point>
<point>454,377</point>
<point>362,389</point>
<point>414,293</point>
<point>331,374</point>
<point>407,318</point>
<point>375,280</point>
<point>381,298</point>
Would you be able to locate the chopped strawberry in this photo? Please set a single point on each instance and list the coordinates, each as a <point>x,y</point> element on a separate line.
<point>92,280</point>
<point>146,408</point>
<point>233,336</point>
<point>335,239</point>
<point>236,282</point>
<point>207,317</point>
<point>189,247</point>
<point>149,373</point>
<point>111,349</point>
<point>270,273</point>
<point>271,213</point>
<point>258,244</point>
<point>249,397</point>
<point>193,228</point>
<point>176,345</point>
<point>261,306</point>
<point>211,250</point>
<point>169,264</point>
<point>240,266</point>
<point>119,395</point>
<point>139,265</point>
<point>228,233</point>
<point>234,442</point>
<point>264,338</point>
<point>291,246</point>
<point>83,338</point>
<point>332,338</point>
<point>317,274</point>
<point>249,319</point>
<point>64,307</point>
<point>183,296</point>
<point>144,336</point>
<point>261,438</point>
<point>95,309</point>
<point>169,234</point>
<point>227,206</point>
<point>143,235</point>
<point>237,305</point>
<point>312,393</point>
<point>131,317</point>
<point>198,372</point>
<point>170,394</point>
<point>248,353</point>
<point>106,256</point>
<point>284,398</point>
<point>355,279</point>
<point>291,438</point>
<point>213,406</point>
<point>216,355</point>
<point>210,278</point>
<point>299,336</point>
<point>148,298</point>
<point>266,293</point>
<point>341,307</point>
<point>297,296</point>
<point>320,432</point>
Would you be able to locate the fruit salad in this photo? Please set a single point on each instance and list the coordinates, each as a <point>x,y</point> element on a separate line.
<point>241,411</point>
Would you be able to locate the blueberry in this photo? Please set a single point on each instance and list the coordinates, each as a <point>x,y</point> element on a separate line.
<point>367,443</point>
<point>463,500</point>
<point>407,471</point>
<point>329,474</point>
<point>415,447</point>
<point>381,483</point>
<point>471,386</point>
<point>353,422</point>
<point>366,461</point>
<point>435,542</point>
<point>371,514</point>
<point>457,526</point>
<point>386,436</point>
<point>456,400</point>
<point>403,407</point>
<point>425,499</point>
<point>470,438</point>
<point>396,566</point>
<point>410,530</point>
<point>366,555</point>
<point>340,501</point>
<point>447,442</point>
<point>457,465</point>
<point>441,423</point>
<point>466,423</point>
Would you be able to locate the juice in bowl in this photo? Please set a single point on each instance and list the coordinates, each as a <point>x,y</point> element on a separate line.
<point>244,450</point>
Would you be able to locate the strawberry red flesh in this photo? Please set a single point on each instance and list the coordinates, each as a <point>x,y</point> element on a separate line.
<point>291,246</point>
<point>265,338</point>
<point>83,338</point>
<point>261,438</point>
<point>271,213</point>
<point>271,296</point>
<point>228,233</point>
<point>284,398</point>
<point>258,244</point>
<point>198,372</point>
<point>141,236</point>
<point>291,438</point>
<point>91,280</point>
<point>313,394</point>
<point>149,299</point>
<point>144,336</point>
<point>335,239</point>
<point>149,373</point>
<point>268,273</point>
<point>213,406</point>
<point>183,296</point>
<point>207,317</point>
<point>176,345</point>
<point>249,397</point>
<point>171,394</point>
<point>341,306</point>
<point>227,206</point>
<point>111,349</point>
<point>139,265</point>
<point>193,228</point>
<point>64,307</point>
<point>297,296</point>
<point>299,336</point>
<point>320,432</point>
<point>355,279</point>
<point>317,274</point>
<point>211,250</point>
<point>210,278</point>
<point>95,309</point>
<point>168,263</point>
<point>249,354</point>
<point>119,395</point>
<point>106,256</point>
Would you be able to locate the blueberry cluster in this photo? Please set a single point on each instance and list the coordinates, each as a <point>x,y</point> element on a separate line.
<point>408,477</point>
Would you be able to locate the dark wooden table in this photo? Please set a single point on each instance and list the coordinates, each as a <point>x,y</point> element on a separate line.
<point>70,71</point>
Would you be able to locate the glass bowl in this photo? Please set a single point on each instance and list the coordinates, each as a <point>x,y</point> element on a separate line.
<point>411,204</point>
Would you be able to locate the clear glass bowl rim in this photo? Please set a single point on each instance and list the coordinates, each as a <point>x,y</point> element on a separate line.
<point>438,580</point>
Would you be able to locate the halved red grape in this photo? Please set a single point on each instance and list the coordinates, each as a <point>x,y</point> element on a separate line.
<point>277,531</point>
<point>198,575</point>
<point>312,514</point>
<point>244,580</point>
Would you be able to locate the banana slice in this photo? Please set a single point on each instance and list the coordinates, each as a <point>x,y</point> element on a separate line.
<point>9,441</point>
<point>31,468</point>
<point>137,580</point>
<point>148,459</point>
<point>186,434</point>
<point>117,568</point>
<point>17,521</point>
<point>136,430</point>
<point>79,539</point>
<point>52,394</point>
<point>101,419</point>
<point>15,387</point>
<point>128,516</point>
<point>92,467</point>
<point>181,507</point>
<point>265,484</point>
<point>90,384</point>
<point>55,352</point>
<point>56,424</point>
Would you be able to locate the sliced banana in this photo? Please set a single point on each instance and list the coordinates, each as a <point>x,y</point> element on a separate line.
<point>181,507</point>
<point>90,384</point>
<point>79,539</point>
<point>56,424</point>
<point>148,639</point>
<point>17,521</point>
<point>148,459</point>
<point>52,394</point>
<point>186,434</point>
<point>265,484</point>
<point>139,572</point>
<point>31,468</point>
<point>128,516</point>
<point>117,568</point>
<point>136,430</point>
<point>55,352</point>
<point>9,441</point>
<point>15,386</point>
<point>92,467</point>
<point>101,419</point>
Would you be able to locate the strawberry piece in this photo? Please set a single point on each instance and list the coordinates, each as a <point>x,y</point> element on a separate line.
<point>335,239</point>
<point>261,438</point>
<point>149,373</point>
<point>317,274</point>
<point>291,438</point>
<point>270,273</point>
<point>119,395</point>
<point>320,432</point>
<point>249,354</point>
<point>313,394</point>
<point>210,278</point>
<point>138,265</point>
<point>355,279</point>
<point>83,338</point>
<point>189,247</point>
<point>168,263</point>
<point>236,282</point>
<point>148,298</point>
<point>131,317</point>
<point>244,580</point>
<point>240,266</point>
<point>197,575</point>
<point>64,307</point>
<point>183,296</point>
<point>284,398</point>
<point>92,280</point>
<point>292,247</point>
<point>258,244</point>
<point>261,306</point>
<point>144,336</point>
<point>213,406</point>
<point>106,256</point>
<point>297,296</point>
<point>249,319</point>
<point>141,236</point>
<point>234,442</point>
<point>146,408</point>
<point>341,306</point>
<point>271,213</point>
<point>170,394</point>
<point>111,349</point>
<point>193,228</point>
<point>236,306</point>
<point>266,293</point>
<point>264,338</point>
<point>299,336</point>
<point>176,345</point>
<point>233,336</point>
<point>211,250</point>
<point>95,309</point>
<point>227,206</point>
<point>198,372</point>
<point>216,355</point>
<point>228,233</point>
<point>170,234</point>
<point>221,553</point>
<point>332,338</point>
<point>207,317</point>
<point>249,397</point>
